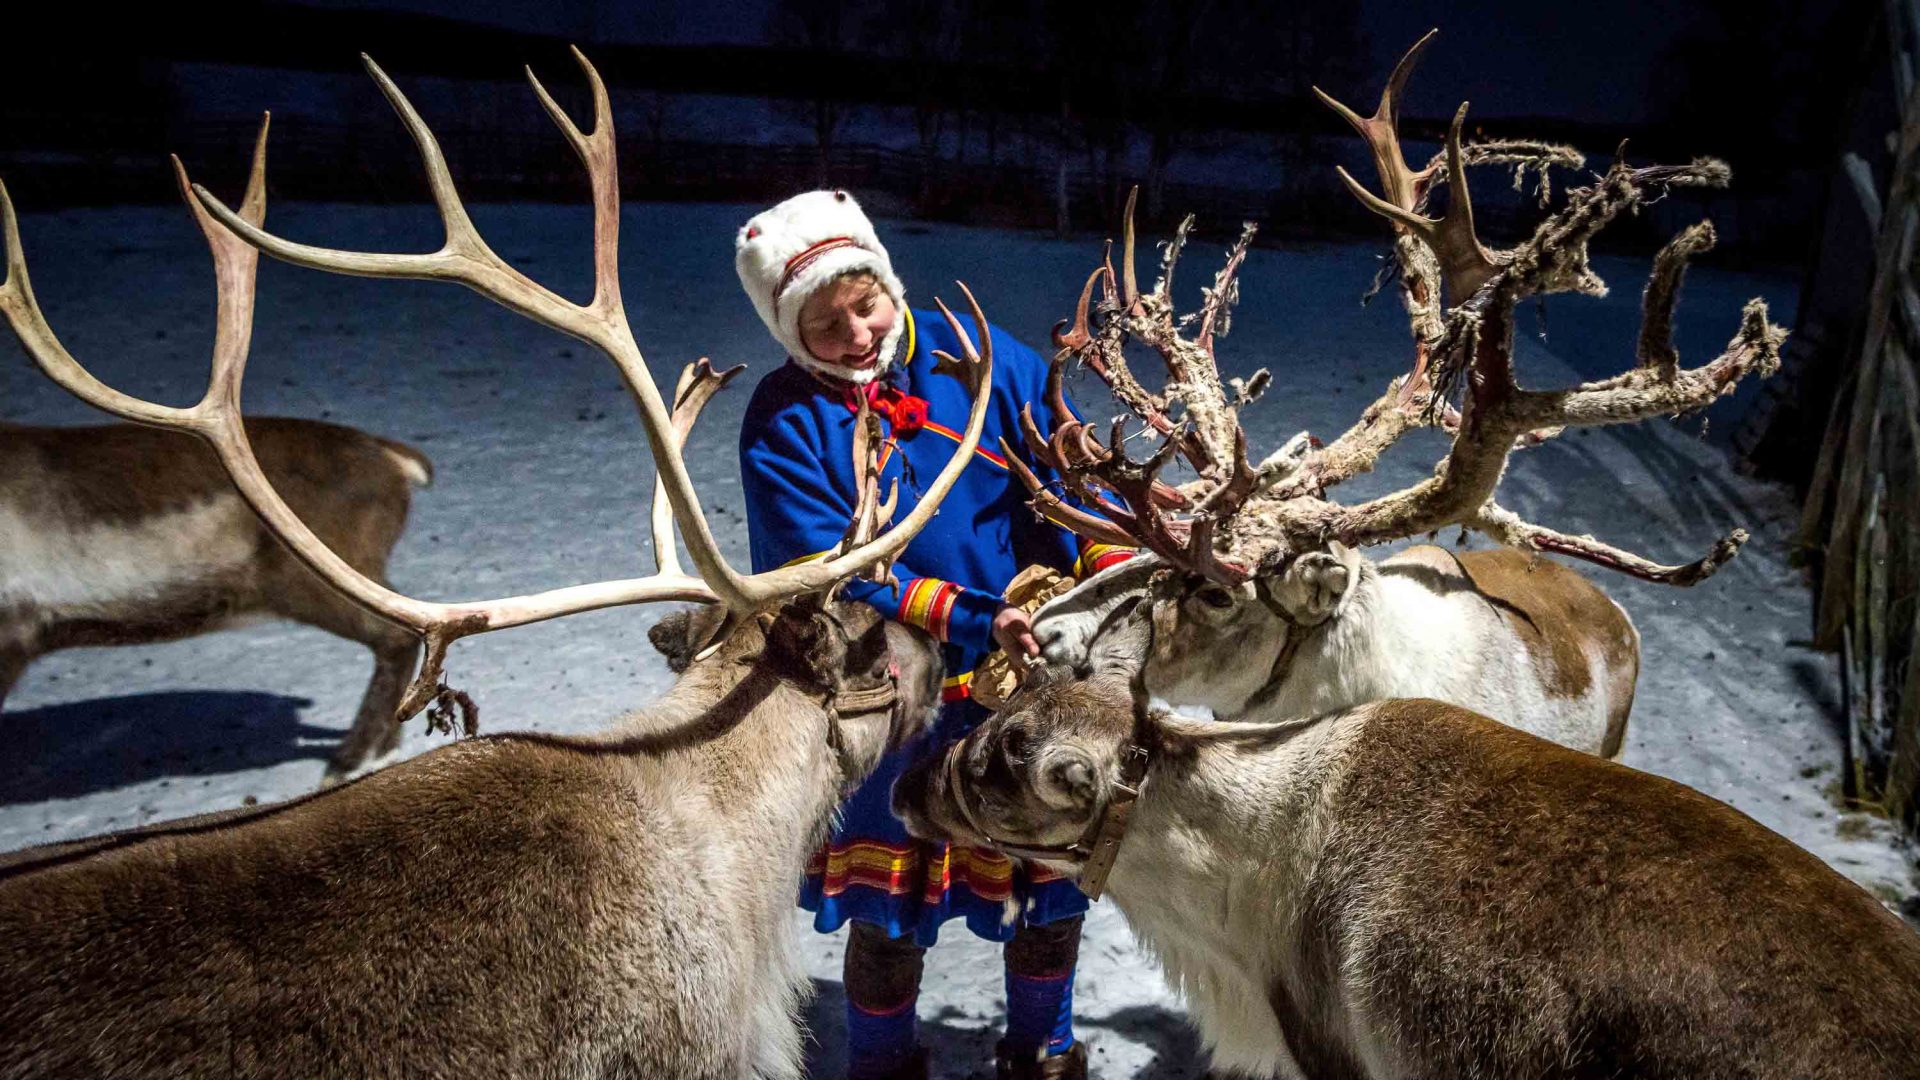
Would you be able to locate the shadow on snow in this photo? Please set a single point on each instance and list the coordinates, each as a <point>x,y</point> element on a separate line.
<point>64,751</point>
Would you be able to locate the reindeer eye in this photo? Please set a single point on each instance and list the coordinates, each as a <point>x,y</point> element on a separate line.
<point>1014,745</point>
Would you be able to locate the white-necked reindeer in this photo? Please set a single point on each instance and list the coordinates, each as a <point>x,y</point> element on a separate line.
<point>1409,889</point>
<point>614,905</point>
<point>1266,607</point>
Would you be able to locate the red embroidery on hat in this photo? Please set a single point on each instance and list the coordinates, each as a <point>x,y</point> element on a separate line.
<point>807,258</point>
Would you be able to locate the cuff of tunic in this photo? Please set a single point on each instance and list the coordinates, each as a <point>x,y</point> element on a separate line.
<point>1097,557</point>
<point>934,605</point>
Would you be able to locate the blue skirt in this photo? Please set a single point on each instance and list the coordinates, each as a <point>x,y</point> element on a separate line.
<point>871,870</point>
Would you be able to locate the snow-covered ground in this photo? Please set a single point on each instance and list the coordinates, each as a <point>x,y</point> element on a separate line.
<point>543,481</point>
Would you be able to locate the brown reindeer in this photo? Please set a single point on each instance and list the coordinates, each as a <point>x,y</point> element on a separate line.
<point>126,535</point>
<point>615,905</point>
<point>123,534</point>
<point>1256,564</point>
<point>1408,888</point>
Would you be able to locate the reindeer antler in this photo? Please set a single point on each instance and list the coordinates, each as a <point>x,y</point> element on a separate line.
<point>236,240</point>
<point>1497,414</point>
<point>1411,401</point>
<point>1262,517</point>
<point>1208,437</point>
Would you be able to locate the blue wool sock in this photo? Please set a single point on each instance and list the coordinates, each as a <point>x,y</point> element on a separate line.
<point>880,1042</point>
<point>1039,1012</point>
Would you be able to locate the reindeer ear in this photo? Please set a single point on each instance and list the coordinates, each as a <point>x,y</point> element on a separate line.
<point>1349,557</point>
<point>672,638</point>
<point>682,634</point>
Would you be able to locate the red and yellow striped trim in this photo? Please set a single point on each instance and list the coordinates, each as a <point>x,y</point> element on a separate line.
<point>986,873</point>
<point>927,602</point>
<point>869,864</point>
<point>942,429</point>
<point>899,870</point>
<point>1097,557</point>
<point>957,687</point>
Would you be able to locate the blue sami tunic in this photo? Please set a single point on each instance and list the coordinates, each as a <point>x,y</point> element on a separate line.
<point>796,459</point>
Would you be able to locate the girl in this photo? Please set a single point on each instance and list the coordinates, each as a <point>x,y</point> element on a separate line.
<point>822,283</point>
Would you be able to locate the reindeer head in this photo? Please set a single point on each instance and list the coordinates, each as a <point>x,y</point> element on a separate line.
<point>1036,778</point>
<point>1251,545</point>
<point>1196,617</point>
<point>881,678</point>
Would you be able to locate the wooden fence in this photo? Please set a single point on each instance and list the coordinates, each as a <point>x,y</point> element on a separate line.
<point>1861,521</point>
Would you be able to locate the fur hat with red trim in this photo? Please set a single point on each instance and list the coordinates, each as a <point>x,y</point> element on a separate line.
<point>785,253</point>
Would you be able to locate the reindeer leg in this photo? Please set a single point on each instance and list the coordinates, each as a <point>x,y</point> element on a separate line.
<point>396,652</point>
<point>376,728</point>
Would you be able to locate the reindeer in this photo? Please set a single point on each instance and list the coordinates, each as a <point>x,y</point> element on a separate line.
<point>123,535</point>
<point>1408,888</point>
<point>517,905</point>
<point>1255,561</point>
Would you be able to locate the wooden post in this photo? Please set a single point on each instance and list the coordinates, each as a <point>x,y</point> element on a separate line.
<point>1863,511</point>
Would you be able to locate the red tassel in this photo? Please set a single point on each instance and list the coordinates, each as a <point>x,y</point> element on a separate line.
<point>905,413</point>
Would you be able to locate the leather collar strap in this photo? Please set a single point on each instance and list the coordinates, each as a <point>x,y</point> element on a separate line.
<point>843,703</point>
<point>1264,593</point>
<point>1297,635</point>
<point>1099,847</point>
<point>852,702</point>
<point>1112,826</point>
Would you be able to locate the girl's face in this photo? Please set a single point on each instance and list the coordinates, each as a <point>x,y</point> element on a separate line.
<point>844,322</point>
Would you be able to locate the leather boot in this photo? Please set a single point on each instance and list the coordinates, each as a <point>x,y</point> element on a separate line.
<point>1071,1065</point>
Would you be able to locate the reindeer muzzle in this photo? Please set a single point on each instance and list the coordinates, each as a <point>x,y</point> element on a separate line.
<point>1096,849</point>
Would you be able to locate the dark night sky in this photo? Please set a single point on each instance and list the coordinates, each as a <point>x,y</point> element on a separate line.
<point>1515,57</point>
<point>1756,82</point>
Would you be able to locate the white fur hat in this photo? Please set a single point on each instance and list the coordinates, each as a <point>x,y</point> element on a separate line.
<point>785,253</point>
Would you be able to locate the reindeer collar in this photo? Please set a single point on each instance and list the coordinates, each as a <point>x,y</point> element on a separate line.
<point>1102,842</point>
<point>844,703</point>
<point>874,698</point>
<point>1099,846</point>
<point>1297,635</point>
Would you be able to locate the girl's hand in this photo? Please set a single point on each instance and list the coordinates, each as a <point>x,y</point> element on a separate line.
<point>1013,631</point>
